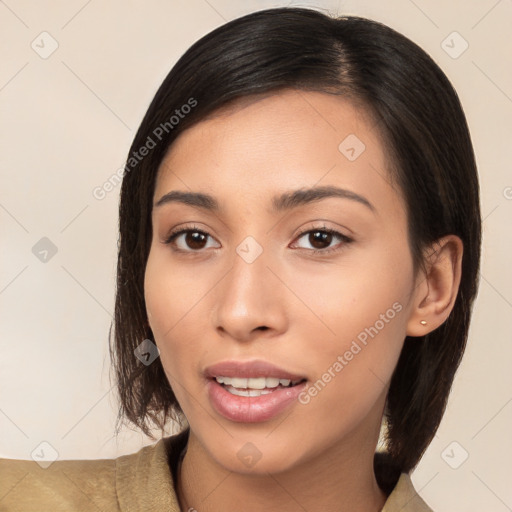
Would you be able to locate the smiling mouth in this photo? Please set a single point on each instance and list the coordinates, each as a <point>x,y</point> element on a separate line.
<point>255,386</point>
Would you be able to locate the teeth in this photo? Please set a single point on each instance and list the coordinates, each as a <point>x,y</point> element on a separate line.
<point>236,382</point>
<point>272,382</point>
<point>252,383</point>
<point>247,392</point>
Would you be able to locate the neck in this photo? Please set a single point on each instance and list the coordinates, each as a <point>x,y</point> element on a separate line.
<point>341,479</point>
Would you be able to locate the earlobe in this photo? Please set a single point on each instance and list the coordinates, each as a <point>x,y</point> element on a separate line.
<point>435,295</point>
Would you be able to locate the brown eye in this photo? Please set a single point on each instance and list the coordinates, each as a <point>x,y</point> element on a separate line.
<point>320,239</point>
<point>195,240</point>
<point>189,240</point>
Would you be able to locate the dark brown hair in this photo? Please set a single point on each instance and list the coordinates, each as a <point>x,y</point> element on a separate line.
<point>422,124</point>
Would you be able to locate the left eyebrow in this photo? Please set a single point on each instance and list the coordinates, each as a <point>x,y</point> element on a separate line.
<point>295,198</point>
<point>285,201</point>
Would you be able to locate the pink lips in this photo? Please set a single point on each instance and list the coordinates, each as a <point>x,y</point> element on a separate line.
<point>250,409</point>
<point>248,369</point>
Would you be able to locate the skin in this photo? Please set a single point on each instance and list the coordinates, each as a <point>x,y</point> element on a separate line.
<point>207,305</point>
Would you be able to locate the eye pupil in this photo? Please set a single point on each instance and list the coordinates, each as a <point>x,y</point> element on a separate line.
<point>195,240</point>
<point>320,237</point>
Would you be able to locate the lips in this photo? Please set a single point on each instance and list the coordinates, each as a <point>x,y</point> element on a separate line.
<point>250,369</point>
<point>251,391</point>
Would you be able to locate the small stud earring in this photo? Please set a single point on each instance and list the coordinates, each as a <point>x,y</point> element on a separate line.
<point>423,322</point>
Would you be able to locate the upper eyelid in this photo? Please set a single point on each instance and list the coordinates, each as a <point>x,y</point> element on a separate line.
<point>179,231</point>
<point>174,234</point>
<point>344,238</point>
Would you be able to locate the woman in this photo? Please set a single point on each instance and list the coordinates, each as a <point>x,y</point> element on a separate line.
<point>298,257</point>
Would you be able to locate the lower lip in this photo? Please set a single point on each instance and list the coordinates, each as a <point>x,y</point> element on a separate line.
<point>251,409</point>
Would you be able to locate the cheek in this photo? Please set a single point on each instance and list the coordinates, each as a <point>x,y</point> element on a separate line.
<point>171,293</point>
<point>168,301</point>
<point>351,295</point>
<point>355,342</point>
<point>175,301</point>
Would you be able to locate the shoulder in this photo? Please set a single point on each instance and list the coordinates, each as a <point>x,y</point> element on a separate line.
<point>397,485</point>
<point>405,498</point>
<point>64,485</point>
<point>138,481</point>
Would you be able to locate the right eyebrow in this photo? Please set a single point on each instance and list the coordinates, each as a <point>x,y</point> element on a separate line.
<point>196,199</point>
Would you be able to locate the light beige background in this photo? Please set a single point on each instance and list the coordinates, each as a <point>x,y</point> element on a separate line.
<point>67,122</point>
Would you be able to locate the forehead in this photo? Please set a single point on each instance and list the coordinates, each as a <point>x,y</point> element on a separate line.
<point>291,139</point>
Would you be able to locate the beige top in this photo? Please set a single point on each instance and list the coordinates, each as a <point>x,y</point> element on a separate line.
<point>141,481</point>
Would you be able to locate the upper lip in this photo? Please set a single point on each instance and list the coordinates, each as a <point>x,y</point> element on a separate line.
<point>249,369</point>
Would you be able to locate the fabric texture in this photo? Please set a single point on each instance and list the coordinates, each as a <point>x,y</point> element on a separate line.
<point>141,481</point>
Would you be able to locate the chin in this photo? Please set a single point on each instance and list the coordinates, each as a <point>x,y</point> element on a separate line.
<point>253,455</point>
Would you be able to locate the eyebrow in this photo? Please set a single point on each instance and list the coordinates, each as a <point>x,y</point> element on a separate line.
<point>285,201</point>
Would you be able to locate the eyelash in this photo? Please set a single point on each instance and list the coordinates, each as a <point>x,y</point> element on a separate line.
<point>193,229</point>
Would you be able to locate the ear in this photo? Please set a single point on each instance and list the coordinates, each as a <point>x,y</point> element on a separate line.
<point>437,287</point>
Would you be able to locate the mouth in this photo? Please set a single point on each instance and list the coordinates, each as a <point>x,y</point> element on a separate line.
<point>251,391</point>
<point>255,386</point>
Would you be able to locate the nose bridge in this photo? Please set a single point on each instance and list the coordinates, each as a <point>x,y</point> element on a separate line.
<point>249,296</point>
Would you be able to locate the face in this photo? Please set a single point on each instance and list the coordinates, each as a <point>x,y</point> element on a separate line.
<point>257,284</point>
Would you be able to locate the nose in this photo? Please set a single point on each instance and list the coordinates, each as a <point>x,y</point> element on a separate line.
<point>250,301</point>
